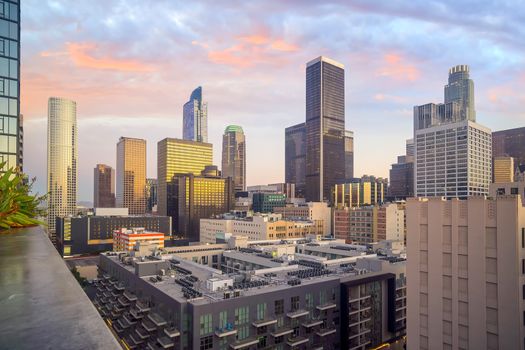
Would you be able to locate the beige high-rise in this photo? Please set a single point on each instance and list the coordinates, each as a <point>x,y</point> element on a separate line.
<point>465,273</point>
<point>503,169</point>
<point>131,175</point>
<point>62,158</point>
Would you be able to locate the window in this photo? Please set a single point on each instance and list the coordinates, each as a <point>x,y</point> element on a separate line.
<point>207,343</point>
<point>279,307</point>
<point>514,190</point>
<point>261,311</point>
<point>206,324</point>
<point>295,303</point>
<point>309,300</point>
<point>241,315</point>
<point>223,319</point>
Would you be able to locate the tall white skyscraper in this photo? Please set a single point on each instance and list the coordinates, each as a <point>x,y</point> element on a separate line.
<point>453,153</point>
<point>62,159</point>
<point>195,118</point>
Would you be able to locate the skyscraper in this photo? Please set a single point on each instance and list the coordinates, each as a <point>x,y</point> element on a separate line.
<point>510,143</point>
<point>103,186</point>
<point>195,118</point>
<point>62,159</point>
<point>503,169</point>
<point>151,195</point>
<point>10,127</point>
<point>325,127</point>
<point>131,175</point>
<point>460,89</point>
<point>349,155</point>
<point>234,156</point>
<point>197,197</point>
<point>453,154</point>
<point>402,175</point>
<point>295,157</point>
<point>176,156</point>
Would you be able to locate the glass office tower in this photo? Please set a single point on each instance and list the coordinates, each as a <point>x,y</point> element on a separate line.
<point>234,156</point>
<point>131,175</point>
<point>325,127</point>
<point>195,118</point>
<point>176,156</point>
<point>103,186</point>
<point>460,89</point>
<point>295,157</point>
<point>62,159</point>
<point>10,126</point>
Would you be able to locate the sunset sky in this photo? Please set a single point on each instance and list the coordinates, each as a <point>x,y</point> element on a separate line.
<point>131,65</point>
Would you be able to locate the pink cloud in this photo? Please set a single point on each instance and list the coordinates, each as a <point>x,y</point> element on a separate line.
<point>84,55</point>
<point>252,49</point>
<point>396,67</point>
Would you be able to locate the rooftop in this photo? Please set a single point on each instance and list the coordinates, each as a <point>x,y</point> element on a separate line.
<point>42,303</point>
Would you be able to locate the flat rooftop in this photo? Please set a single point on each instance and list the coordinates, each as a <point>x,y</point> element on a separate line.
<point>42,304</point>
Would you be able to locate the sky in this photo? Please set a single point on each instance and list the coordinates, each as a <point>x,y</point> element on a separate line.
<point>131,65</point>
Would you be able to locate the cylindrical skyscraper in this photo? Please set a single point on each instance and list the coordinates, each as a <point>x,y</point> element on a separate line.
<point>234,156</point>
<point>62,159</point>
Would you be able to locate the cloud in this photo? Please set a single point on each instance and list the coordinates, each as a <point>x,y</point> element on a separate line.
<point>84,55</point>
<point>396,67</point>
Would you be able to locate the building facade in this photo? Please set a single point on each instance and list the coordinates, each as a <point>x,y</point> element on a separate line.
<point>62,160</point>
<point>368,190</point>
<point>193,197</point>
<point>234,156</point>
<point>103,186</point>
<point>131,175</point>
<point>79,235</point>
<point>312,211</point>
<point>11,132</point>
<point>325,128</point>
<point>510,143</point>
<point>266,202</point>
<point>295,157</point>
<point>259,227</point>
<point>453,160</point>
<point>195,118</point>
<point>176,156</point>
<point>465,273</point>
<point>369,224</point>
<point>453,154</point>
<point>126,239</point>
<point>503,169</point>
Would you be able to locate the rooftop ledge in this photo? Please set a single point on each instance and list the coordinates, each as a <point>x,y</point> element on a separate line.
<point>40,299</point>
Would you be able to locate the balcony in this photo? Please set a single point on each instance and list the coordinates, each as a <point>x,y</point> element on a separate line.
<point>165,342</point>
<point>130,296</point>
<point>296,341</point>
<point>156,319</point>
<point>245,343</point>
<point>142,333</point>
<point>172,332</point>
<point>225,332</point>
<point>326,306</point>
<point>297,313</point>
<point>141,306</point>
<point>324,332</point>
<point>312,323</point>
<point>265,322</point>
<point>282,331</point>
<point>148,325</point>
<point>42,303</point>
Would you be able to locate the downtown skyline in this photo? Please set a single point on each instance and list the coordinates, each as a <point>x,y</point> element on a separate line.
<point>254,77</point>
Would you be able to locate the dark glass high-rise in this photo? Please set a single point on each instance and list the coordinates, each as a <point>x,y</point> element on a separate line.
<point>325,127</point>
<point>10,127</point>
